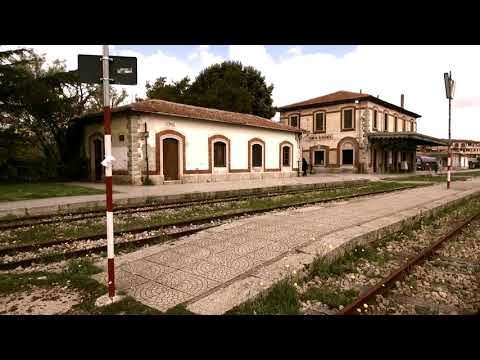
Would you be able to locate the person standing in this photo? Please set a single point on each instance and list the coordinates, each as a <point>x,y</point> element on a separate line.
<point>304,167</point>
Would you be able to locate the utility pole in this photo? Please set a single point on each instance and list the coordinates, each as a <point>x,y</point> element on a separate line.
<point>146,153</point>
<point>107,126</point>
<point>449,90</point>
<point>121,70</point>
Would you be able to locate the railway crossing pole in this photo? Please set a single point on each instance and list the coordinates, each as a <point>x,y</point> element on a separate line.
<point>449,90</point>
<point>107,126</point>
<point>120,70</point>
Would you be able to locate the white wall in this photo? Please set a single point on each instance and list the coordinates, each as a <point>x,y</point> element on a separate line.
<point>119,149</point>
<point>197,132</point>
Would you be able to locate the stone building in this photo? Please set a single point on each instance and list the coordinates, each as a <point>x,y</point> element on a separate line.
<point>183,143</point>
<point>356,132</point>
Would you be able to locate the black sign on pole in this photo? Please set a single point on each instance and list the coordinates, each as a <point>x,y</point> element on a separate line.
<point>122,69</point>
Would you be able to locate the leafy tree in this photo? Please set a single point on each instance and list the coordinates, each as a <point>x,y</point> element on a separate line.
<point>227,86</point>
<point>38,102</point>
<point>96,102</point>
<point>176,92</point>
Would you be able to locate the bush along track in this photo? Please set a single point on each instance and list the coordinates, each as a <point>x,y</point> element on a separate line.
<point>446,283</point>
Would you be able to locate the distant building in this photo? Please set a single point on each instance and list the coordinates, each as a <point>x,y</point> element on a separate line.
<point>189,144</point>
<point>356,132</point>
<point>463,151</point>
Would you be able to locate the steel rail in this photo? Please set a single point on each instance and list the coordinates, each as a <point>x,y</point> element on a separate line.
<point>91,214</point>
<point>386,283</point>
<point>187,222</point>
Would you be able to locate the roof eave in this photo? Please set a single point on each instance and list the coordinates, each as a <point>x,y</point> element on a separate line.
<point>128,108</point>
<point>362,98</point>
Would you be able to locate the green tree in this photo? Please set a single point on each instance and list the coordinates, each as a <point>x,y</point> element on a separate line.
<point>38,102</point>
<point>227,86</point>
<point>176,92</point>
<point>96,102</point>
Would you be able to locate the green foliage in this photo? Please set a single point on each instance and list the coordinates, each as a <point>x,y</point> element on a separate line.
<point>37,104</point>
<point>96,101</point>
<point>282,298</point>
<point>176,92</point>
<point>227,86</point>
<point>331,298</point>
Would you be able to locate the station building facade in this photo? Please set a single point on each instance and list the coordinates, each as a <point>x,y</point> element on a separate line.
<point>356,132</point>
<point>180,143</point>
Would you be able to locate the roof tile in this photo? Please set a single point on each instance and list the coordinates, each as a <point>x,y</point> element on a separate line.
<point>201,113</point>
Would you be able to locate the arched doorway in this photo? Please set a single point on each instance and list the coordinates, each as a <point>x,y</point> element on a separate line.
<point>170,159</point>
<point>96,151</point>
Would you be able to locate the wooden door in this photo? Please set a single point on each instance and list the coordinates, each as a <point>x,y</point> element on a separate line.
<point>170,159</point>
<point>97,144</point>
<point>374,160</point>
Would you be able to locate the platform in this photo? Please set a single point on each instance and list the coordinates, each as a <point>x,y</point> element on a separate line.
<point>217,269</point>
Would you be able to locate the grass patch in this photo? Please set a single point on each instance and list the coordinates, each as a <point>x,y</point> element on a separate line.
<point>13,192</point>
<point>179,310</point>
<point>324,269</point>
<point>77,275</point>
<point>331,298</point>
<point>280,299</point>
<point>435,178</point>
<point>8,217</point>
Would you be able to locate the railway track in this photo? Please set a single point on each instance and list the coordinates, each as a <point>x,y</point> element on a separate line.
<point>189,226</point>
<point>11,224</point>
<point>368,298</point>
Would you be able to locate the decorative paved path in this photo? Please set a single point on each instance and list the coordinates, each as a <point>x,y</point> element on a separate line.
<point>217,269</point>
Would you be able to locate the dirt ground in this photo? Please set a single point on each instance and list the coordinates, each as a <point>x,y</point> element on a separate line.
<point>39,301</point>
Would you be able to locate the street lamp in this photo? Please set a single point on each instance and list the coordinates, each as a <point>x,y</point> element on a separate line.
<point>449,91</point>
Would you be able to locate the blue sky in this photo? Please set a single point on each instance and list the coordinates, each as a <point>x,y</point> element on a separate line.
<point>222,50</point>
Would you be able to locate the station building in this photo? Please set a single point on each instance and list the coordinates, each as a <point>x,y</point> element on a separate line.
<point>356,132</point>
<point>182,144</point>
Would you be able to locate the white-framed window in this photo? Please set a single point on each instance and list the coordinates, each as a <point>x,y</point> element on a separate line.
<point>295,120</point>
<point>319,124</point>
<point>348,119</point>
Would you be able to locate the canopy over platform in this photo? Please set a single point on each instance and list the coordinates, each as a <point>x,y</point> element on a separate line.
<point>403,140</point>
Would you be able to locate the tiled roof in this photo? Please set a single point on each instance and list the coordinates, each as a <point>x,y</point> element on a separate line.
<point>197,112</point>
<point>333,97</point>
<point>341,97</point>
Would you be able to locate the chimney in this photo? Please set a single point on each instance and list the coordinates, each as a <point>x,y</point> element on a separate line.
<point>378,97</point>
<point>360,91</point>
<point>402,100</point>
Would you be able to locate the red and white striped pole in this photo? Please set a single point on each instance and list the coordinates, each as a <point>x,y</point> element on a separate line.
<point>449,164</point>
<point>107,126</point>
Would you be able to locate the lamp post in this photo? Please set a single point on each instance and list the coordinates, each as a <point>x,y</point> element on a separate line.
<point>449,91</point>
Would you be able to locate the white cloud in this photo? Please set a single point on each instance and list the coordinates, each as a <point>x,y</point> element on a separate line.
<point>69,53</point>
<point>296,50</point>
<point>416,71</point>
<point>388,71</point>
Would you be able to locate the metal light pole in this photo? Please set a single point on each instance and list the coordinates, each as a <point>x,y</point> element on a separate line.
<point>107,126</point>
<point>449,90</point>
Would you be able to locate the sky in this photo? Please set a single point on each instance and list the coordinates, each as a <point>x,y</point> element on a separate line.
<point>301,72</point>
